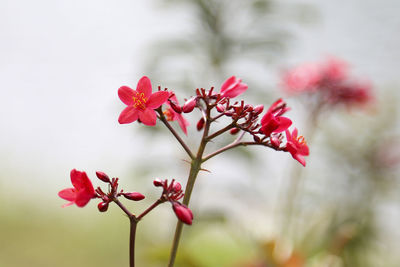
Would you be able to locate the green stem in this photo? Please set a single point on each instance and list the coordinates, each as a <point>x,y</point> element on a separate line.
<point>194,171</point>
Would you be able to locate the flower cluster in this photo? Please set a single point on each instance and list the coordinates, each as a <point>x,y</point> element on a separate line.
<point>330,81</point>
<point>268,131</point>
<point>84,191</point>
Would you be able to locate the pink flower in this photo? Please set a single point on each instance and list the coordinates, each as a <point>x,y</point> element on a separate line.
<point>141,103</point>
<point>233,87</point>
<point>304,78</point>
<point>183,213</point>
<point>296,146</point>
<point>82,192</point>
<point>335,70</point>
<point>172,115</point>
<point>272,121</point>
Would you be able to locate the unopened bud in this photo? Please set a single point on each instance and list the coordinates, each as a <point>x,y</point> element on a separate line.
<point>175,107</point>
<point>248,108</point>
<point>102,176</point>
<point>234,131</point>
<point>183,213</point>
<point>189,105</point>
<point>275,142</point>
<point>177,187</point>
<point>135,196</point>
<point>103,206</point>
<point>220,108</point>
<point>256,138</point>
<point>200,124</point>
<point>258,109</point>
<point>157,182</point>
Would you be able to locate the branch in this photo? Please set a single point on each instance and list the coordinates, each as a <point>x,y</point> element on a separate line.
<point>230,146</point>
<point>183,144</point>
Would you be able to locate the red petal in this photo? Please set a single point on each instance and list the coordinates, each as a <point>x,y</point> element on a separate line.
<point>128,115</point>
<point>237,90</point>
<point>67,194</point>
<point>266,118</point>
<point>157,99</point>
<point>77,178</point>
<point>144,86</point>
<point>148,117</point>
<point>300,159</point>
<point>126,95</point>
<point>294,133</point>
<point>284,123</point>
<point>81,182</point>
<point>228,83</point>
<point>183,123</point>
<point>83,197</point>
<point>304,150</point>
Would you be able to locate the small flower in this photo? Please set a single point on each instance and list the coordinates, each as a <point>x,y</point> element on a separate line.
<point>82,192</point>
<point>272,121</point>
<point>183,213</point>
<point>296,146</point>
<point>141,103</point>
<point>171,114</point>
<point>233,87</point>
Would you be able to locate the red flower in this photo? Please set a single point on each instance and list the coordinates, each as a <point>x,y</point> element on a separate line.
<point>82,192</point>
<point>183,213</point>
<point>296,146</point>
<point>141,103</point>
<point>233,87</point>
<point>172,115</point>
<point>272,121</point>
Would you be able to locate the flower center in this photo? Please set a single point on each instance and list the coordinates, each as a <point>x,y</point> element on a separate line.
<point>301,140</point>
<point>139,101</point>
<point>169,114</point>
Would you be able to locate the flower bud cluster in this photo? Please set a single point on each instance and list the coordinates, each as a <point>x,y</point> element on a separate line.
<point>113,193</point>
<point>172,192</point>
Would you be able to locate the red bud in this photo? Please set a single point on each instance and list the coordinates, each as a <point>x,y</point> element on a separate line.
<point>275,142</point>
<point>234,131</point>
<point>175,107</point>
<point>158,182</point>
<point>189,105</point>
<point>220,108</point>
<point>200,124</point>
<point>177,187</point>
<point>183,213</point>
<point>102,176</point>
<point>103,206</point>
<point>135,196</point>
<point>258,109</point>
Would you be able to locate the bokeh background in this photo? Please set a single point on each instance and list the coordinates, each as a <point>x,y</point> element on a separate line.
<point>61,63</point>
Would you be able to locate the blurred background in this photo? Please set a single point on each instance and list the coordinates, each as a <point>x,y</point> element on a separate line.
<point>61,63</point>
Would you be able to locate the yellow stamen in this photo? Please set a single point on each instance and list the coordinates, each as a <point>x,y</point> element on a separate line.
<point>139,101</point>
